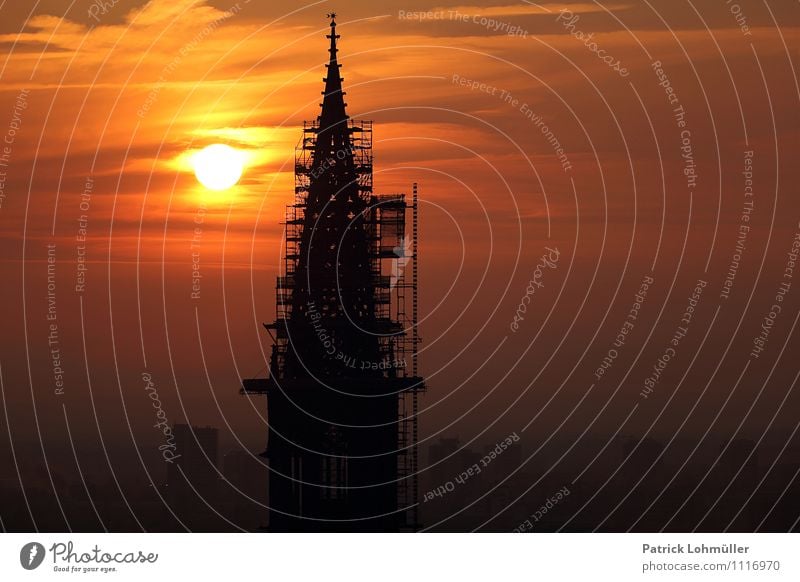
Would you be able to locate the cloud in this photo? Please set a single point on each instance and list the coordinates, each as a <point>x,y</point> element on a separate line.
<point>129,99</point>
<point>531,8</point>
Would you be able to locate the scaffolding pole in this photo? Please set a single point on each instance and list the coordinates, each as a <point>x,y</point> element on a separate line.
<point>414,358</point>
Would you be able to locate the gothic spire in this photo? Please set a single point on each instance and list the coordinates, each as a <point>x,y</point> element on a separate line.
<point>333,105</point>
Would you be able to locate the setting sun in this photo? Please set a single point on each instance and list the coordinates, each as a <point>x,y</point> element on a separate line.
<point>218,166</point>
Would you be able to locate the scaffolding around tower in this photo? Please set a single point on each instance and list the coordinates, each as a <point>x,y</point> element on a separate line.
<point>343,384</point>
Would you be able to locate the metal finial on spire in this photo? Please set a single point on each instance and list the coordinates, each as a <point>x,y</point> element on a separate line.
<point>333,36</point>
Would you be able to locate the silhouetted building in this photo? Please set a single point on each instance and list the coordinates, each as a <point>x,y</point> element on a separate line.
<point>195,456</point>
<point>442,449</point>
<point>342,389</point>
<point>244,496</point>
<point>192,476</point>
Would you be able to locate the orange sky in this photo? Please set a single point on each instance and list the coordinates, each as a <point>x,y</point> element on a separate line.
<point>124,98</point>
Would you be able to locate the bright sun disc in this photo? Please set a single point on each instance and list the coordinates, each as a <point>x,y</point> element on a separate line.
<point>218,166</point>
